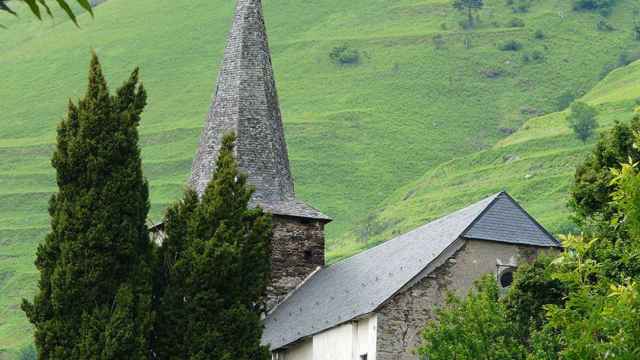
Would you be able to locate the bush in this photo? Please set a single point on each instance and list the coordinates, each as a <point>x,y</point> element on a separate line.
<point>511,45</point>
<point>539,34</point>
<point>438,41</point>
<point>604,25</point>
<point>343,55</point>
<point>519,6</point>
<point>516,23</point>
<point>565,100</point>
<point>603,6</point>
<point>536,56</point>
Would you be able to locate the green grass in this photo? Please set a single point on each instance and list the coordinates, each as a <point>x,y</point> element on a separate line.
<point>355,133</point>
<point>536,165</point>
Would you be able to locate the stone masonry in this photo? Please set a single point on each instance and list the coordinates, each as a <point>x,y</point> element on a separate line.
<point>297,251</point>
<point>402,319</point>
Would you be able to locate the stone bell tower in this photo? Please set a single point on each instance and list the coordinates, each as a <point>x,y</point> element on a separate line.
<point>246,102</point>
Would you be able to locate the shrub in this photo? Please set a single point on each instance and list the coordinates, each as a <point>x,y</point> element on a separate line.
<point>539,34</point>
<point>535,56</point>
<point>438,41</point>
<point>511,45</point>
<point>519,6</point>
<point>603,6</point>
<point>516,23</point>
<point>565,100</point>
<point>636,31</point>
<point>604,25</point>
<point>344,55</point>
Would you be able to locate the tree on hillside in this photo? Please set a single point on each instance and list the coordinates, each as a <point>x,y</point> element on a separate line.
<point>592,188</point>
<point>215,270</point>
<point>94,297</point>
<point>582,120</point>
<point>37,7</point>
<point>470,7</point>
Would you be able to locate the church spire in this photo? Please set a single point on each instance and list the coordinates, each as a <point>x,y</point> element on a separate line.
<point>246,102</point>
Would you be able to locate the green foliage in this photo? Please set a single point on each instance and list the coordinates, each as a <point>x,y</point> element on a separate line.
<point>533,288</point>
<point>97,254</point>
<point>473,328</point>
<point>213,271</point>
<point>603,6</point>
<point>38,6</point>
<point>471,7</point>
<point>511,45</point>
<point>565,100</point>
<point>604,25</point>
<point>519,6</point>
<point>344,55</point>
<point>516,23</point>
<point>28,353</point>
<point>592,188</point>
<point>539,34</point>
<point>582,120</point>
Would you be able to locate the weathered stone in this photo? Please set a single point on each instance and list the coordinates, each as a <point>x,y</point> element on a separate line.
<point>402,319</point>
<point>297,251</point>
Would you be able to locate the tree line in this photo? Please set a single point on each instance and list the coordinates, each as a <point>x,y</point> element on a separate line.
<point>106,291</point>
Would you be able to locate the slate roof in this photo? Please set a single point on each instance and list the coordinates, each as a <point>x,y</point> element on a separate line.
<point>246,102</point>
<point>359,285</point>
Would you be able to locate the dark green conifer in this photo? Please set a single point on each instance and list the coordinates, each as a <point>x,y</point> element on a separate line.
<point>94,299</point>
<point>217,283</point>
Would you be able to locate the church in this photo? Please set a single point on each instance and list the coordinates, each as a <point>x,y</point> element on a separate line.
<point>375,304</point>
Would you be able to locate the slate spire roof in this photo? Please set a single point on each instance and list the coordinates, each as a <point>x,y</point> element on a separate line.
<point>246,102</point>
<point>359,285</point>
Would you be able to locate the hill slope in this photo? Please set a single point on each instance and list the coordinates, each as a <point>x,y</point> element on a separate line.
<point>424,92</point>
<point>536,165</point>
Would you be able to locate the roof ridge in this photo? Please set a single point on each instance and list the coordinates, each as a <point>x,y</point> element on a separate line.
<point>441,218</point>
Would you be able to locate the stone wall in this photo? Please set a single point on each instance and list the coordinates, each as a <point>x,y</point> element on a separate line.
<point>402,318</point>
<point>297,251</point>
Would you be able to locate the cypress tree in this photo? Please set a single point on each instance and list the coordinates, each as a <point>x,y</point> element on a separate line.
<point>217,261</point>
<point>94,299</point>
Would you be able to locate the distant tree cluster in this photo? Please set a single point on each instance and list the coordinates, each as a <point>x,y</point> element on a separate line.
<point>581,304</point>
<point>106,291</point>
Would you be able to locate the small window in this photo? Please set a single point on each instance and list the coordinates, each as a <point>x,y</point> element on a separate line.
<point>308,255</point>
<point>363,357</point>
<point>506,278</point>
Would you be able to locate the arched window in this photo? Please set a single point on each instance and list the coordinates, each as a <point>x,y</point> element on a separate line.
<point>505,275</point>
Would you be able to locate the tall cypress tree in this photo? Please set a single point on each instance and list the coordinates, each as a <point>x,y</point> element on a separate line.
<point>217,265</point>
<point>94,299</point>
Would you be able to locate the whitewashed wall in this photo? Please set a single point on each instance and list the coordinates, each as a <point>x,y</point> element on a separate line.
<point>345,342</point>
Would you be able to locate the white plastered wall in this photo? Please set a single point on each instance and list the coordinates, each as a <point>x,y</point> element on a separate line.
<point>345,342</point>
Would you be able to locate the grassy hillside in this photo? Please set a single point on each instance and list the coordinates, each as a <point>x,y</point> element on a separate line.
<point>536,165</point>
<point>424,92</point>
